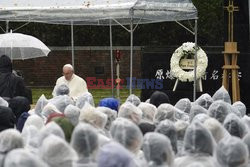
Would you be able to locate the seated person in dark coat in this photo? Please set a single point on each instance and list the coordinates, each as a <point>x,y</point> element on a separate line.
<point>10,84</point>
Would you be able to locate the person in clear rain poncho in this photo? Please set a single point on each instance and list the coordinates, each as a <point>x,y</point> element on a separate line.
<point>222,94</point>
<point>72,113</point>
<point>216,129</point>
<point>205,100</point>
<point>134,100</point>
<point>232,152</point>
<point>85,142</point>
<point>30,137</point>
<point>50,128</point>
<point>23,158</point>
<point>40,104</point>
<point>181,127</point>
<point>131,112</point>
<point>115,155</point>
<point>147,121</point>
<point>111,116</point>
<point>184,105</point>
<point>97,119</point>
<point>62,89</point>
<point>10,139</point>
<point>157,150</point>
<point>241,107</point>
<point>246,140</point>
<point>34,120</point>
<point>234,126</point>
<point>129,135</point>
<point>195,110</point>
<point>164,111</point>
<point>168,129</point>
<point>198,146</point>
<point>48,110</point>
<point>61,102</point>
<point>57,152</point>
<point>219,110</point>
<point>85,98</point>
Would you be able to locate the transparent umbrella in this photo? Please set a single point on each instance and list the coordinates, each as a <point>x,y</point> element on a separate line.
<point>20,46</point>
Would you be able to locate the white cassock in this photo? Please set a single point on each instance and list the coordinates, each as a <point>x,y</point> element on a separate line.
<point>77,86</point>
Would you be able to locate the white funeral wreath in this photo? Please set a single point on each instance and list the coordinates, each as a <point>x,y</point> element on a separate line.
<point>185,49</point>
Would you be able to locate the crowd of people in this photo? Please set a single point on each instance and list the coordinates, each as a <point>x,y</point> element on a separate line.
<point>68,130</point>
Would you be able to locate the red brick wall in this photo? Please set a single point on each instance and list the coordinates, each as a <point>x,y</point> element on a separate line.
<point>45,70</point>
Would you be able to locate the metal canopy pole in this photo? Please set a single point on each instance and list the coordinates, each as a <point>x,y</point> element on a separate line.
<point>131,51</point>
<point>72,44</point>
<point>7,27</point>
<point>195,62</point>
<point>111,57</point>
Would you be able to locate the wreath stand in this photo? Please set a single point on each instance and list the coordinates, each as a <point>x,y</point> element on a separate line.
<point>231,56</point>
<point>187,64</point>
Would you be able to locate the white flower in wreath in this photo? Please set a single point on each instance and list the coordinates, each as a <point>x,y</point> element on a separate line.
<point>188,49</point>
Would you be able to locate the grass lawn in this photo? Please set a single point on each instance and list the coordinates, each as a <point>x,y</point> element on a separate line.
<point>98,94</point>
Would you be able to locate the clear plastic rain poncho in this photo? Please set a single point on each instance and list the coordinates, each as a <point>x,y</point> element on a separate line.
<point>85,142</point>
<point>3,102</point>
<point>40,104</point>
<point>165,111</point>
<point>198,146</point>
<point>85,98</point>
<point>23,158</point>
<point>92,116</point>
<point>184,105</point>
<point>133,99</point>
<point>30,138</point>
<point>34,120</point>
<point>222,94</point>
<point>219,110</point>
<point>157,150</point>
<point>232,152</point>
<point>57,152</point>
<point>50,128</point>
<point>241,107</point>
<point>49,109</point>
<point>195,110</point>
<point>201,117</point>
<point>111,115</point>
<point>246,122</point>
<point>181,127</point>
<point>62,89</point>
<point>129,135</point>
<point>216,129</point>
<point>131,112</point>
<point>72,113</point>
<point>205,100</point>
<point>148,112</point>
<point>61,102</point>
<point>246,140</point>
<point>235,111</point>
<point>234,126</point>
<point>168,129</point>
<point>10,139</point>
<point>115,155</point>
<point>198,140</point>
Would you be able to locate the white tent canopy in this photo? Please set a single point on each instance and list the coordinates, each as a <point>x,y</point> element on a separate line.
<point>101,12</point>
<point>96,12</point>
